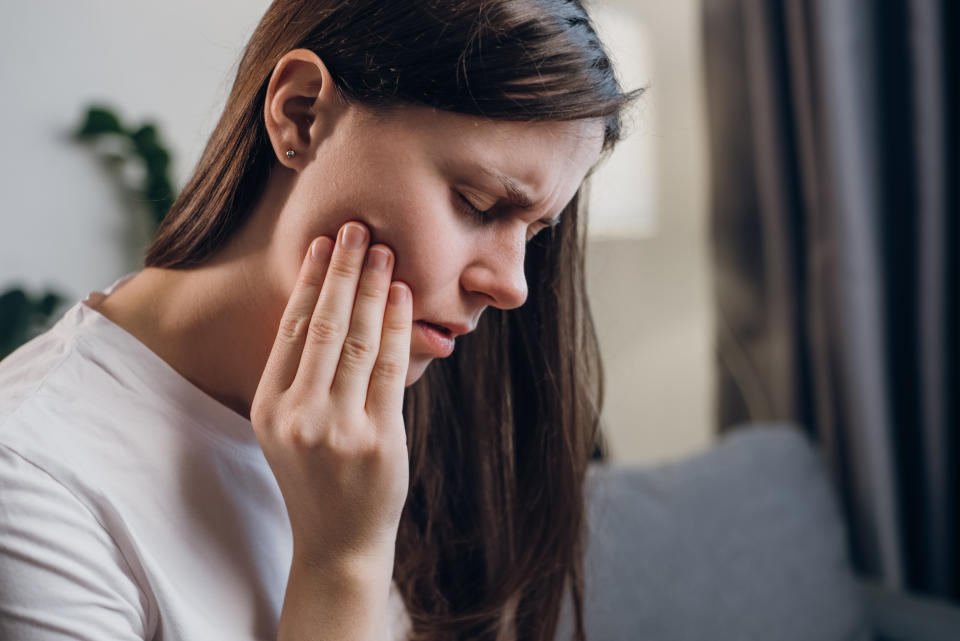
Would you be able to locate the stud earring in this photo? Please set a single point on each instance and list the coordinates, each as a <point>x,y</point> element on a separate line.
<point>291,153</point>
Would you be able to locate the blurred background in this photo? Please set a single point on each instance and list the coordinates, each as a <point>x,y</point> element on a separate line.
<point>775,240</point>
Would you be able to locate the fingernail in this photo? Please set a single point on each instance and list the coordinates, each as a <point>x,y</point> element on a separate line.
<point>354,236</point>
<point>377,260</point>
<point>398,293</point>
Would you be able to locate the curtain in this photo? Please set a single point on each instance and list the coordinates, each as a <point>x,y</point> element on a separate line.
<point>833,142</point>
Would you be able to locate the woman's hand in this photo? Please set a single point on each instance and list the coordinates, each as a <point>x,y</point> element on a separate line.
<point>328,408</point>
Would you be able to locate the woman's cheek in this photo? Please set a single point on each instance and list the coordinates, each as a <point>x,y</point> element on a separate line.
<point>422,251</point>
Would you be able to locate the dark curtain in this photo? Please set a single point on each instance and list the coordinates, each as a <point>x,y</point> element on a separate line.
<point>833,133</point>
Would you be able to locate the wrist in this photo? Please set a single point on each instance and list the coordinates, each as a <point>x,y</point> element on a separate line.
<point>353,566</point>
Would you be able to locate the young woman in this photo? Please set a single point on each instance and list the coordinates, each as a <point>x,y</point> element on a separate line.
<point>244,439</point>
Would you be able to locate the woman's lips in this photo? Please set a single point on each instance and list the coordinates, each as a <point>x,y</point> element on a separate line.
<point>434,340</point>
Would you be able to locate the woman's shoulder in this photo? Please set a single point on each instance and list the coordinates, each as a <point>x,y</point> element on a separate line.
<point>50,529</point>
<point>53,386</point>
<point>24,372</point>
<point>72,395</point>
<point>80,340</point>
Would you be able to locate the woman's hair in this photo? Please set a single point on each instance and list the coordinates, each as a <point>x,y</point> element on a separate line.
<point>500,433</point>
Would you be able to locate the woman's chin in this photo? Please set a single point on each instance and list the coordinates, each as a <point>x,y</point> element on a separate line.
<point>416,368</point>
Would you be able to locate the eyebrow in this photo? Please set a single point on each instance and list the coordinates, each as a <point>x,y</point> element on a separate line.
<point>516,194</point>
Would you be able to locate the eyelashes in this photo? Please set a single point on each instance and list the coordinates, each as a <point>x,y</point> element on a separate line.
<point>467,206</point>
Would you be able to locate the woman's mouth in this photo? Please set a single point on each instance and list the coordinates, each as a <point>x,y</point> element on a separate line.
<point>436,339</point>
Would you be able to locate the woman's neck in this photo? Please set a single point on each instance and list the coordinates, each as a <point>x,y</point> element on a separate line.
<point>213,324</point>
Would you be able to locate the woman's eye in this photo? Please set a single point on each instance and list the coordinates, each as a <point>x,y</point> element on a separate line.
<point>467,206</point>
<point>483,216</point>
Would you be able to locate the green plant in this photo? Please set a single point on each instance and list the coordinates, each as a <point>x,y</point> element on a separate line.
<point>142,146</point>
<point>22,315</point>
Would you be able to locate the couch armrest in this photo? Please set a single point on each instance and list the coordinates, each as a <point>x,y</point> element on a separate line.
<point>895,616</point>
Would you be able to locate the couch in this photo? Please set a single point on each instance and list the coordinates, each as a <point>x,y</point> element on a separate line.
<point>743,543</point>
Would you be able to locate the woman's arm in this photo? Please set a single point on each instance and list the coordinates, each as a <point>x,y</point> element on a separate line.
<point>336,601</point>
<point>62,576</point>
<point>328,413</point>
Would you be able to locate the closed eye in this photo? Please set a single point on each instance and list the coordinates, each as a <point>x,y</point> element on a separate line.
<point>467,206</point>
<point>483,216</point>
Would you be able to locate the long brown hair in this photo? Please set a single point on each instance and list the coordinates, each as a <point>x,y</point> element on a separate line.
<point>500,433</point>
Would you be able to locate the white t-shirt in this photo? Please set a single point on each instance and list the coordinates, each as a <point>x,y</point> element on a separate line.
<point>132,504</point>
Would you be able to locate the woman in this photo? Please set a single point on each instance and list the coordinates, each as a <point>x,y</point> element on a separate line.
<point>244,439</point>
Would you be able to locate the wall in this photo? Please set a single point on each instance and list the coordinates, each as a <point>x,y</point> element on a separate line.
<point>63,222</point>
<point>651,296</point>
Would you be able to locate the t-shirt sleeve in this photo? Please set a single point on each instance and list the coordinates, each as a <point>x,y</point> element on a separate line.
<point>62,576</point>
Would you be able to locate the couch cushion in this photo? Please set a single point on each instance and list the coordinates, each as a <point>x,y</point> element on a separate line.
<point>744,542</point>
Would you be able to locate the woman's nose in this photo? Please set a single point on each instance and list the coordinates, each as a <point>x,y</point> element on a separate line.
<point>497,271</point>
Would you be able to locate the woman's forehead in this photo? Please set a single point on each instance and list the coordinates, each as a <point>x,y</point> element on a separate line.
<point>530,160</point>
<point>423,121</point>
<point>536,153</point>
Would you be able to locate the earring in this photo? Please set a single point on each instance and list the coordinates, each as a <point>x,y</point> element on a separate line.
<point>291,153</point>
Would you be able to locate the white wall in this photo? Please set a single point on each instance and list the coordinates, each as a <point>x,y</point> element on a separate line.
<point>63,225</point>
<point>651,297</point>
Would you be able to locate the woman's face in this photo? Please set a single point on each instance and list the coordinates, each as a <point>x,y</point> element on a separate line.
<point>409,174</point>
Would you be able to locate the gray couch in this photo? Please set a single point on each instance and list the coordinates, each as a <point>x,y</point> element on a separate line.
<point>742,543</point>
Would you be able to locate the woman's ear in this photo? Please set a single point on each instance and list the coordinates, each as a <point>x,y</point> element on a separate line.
<point>301,107</point>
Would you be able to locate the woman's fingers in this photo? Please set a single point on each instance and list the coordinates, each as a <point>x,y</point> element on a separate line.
<point>331,316</point>
<point>339,334</point>
<point>284,359</point>
<point>385,395</point>
<point>362,343</point>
